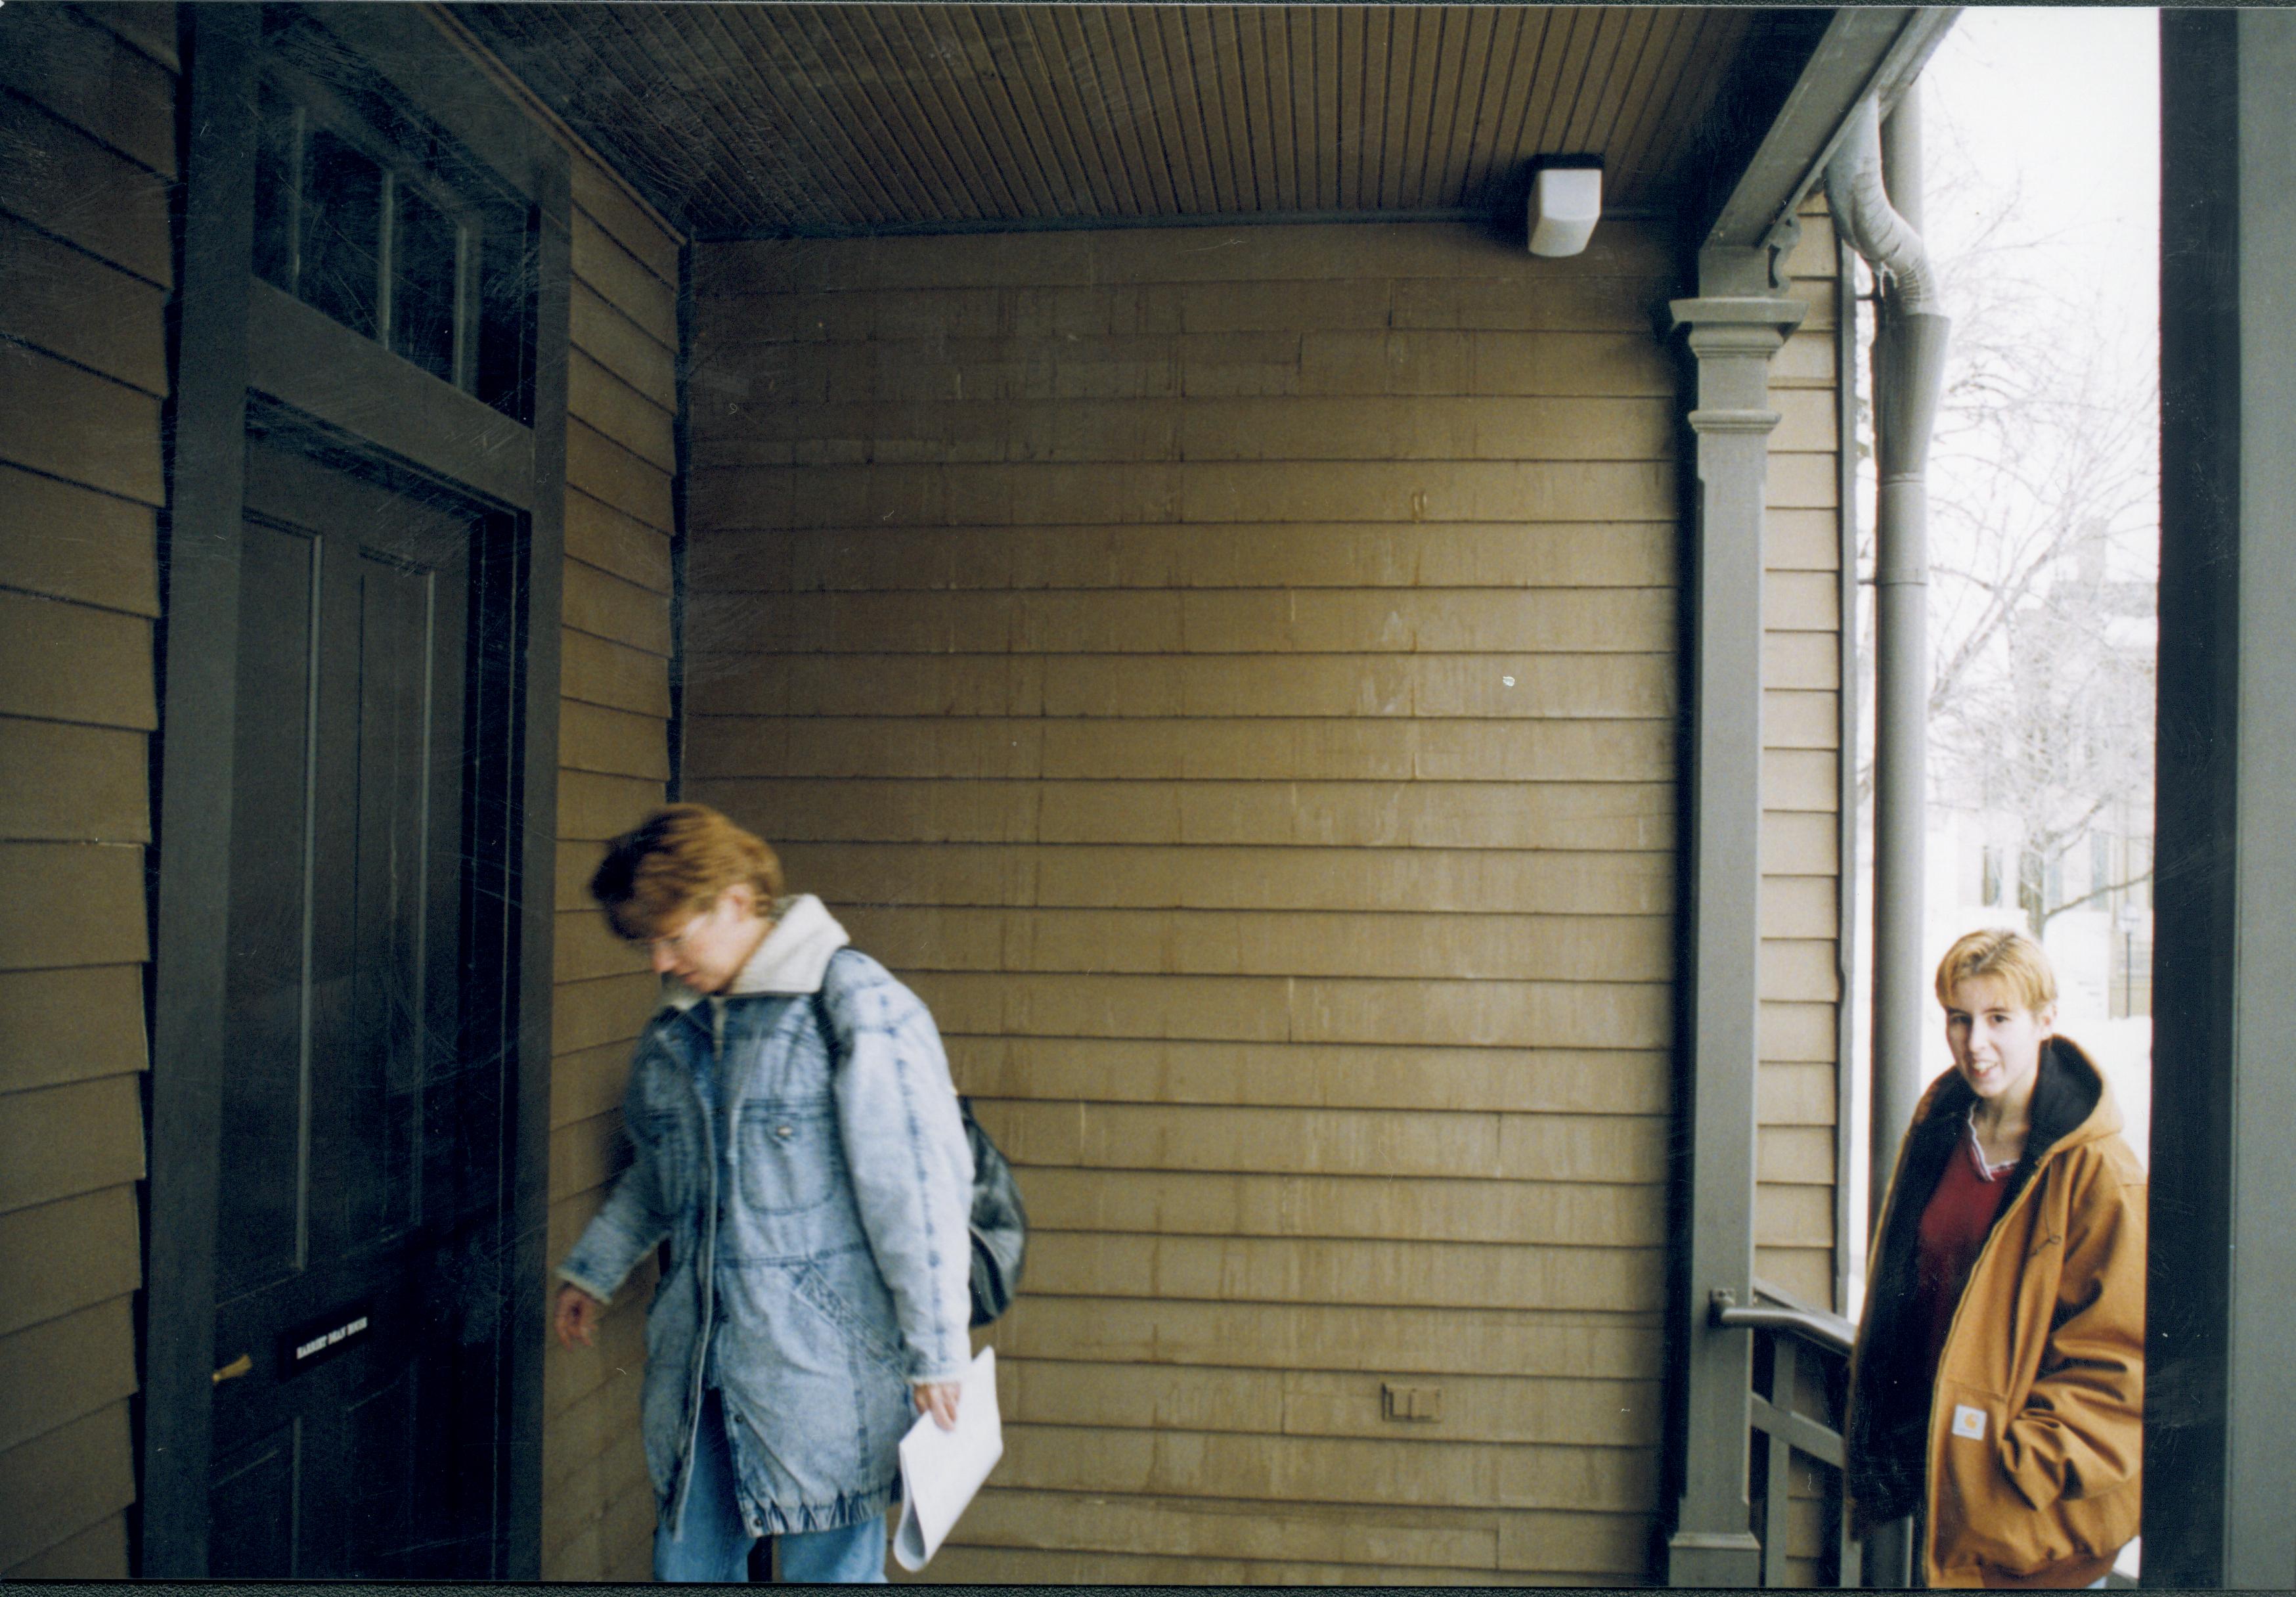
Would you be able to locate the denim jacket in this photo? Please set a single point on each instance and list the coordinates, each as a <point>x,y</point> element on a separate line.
<point>814,1194</point>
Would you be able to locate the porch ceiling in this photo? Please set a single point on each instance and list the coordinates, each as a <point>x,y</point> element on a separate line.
<point>759,120</point>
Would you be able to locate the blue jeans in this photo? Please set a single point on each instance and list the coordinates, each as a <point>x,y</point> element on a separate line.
<point>714,1545</point>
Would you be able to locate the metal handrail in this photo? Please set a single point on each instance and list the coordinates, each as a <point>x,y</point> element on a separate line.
<point>1779,1415</point>
<point>1782,1313</point>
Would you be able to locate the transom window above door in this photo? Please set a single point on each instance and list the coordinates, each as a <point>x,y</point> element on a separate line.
<point>415,248</point>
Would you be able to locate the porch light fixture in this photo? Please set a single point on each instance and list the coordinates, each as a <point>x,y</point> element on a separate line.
<point>1566,201</point>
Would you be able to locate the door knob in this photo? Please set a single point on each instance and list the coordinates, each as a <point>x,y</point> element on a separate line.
<point>238,1367</point>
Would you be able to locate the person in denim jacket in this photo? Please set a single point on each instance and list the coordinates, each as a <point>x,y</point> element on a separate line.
<point>799,1144</point>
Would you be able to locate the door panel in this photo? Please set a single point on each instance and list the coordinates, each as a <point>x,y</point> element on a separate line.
<point>361,1173</point>
<point>259,1223</point>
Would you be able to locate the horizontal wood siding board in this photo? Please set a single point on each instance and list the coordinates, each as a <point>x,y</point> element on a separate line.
<point>1327,1470</point>
<point>64,1140</point>
<point>66,661</point>
<point>1403,1341</point>
<point>1377,1208</point>
<point>1104,1070</point>
<point>1256,428</point>
<point>65,1369</point>
<point>1362,943</point>
<point>1316,1142</point>
<point>606,471</point>
<point>1415,1272</point>
<point>1431,880</point>
<point>739,495</point>
<point>99,1553</point>
<point>94,786</point>
<point>594,738</point>
<point>608,606</point>
<point>1500,1014</point>
<point>586,1014</point>
<point>617,343</point>
<point>63,1481</point>
<point>1278,555</point>
<point>149,27</point>
<point>601,197</point>
<point>59,1027</point>
<point>84,191</point>
<point>86,75</point>
<point>623,281</point>
<point>1269,749</point>
<point>1352,1534</point>
<point>67,421</point>
<point>1345,813</point>
<point>606,401</point>
<point>614,676</point>
<point>66,303</point>
<point>61,541</point>
<point>97,891</point>
<point>66,1255</point>
<point>1248,622</point>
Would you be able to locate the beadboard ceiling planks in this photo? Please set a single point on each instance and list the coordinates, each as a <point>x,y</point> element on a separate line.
<point>756,120</point>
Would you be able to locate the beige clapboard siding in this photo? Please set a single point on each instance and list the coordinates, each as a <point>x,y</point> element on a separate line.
<point>1458,555</point>
<point>1800,953</point>
<point>1285,1072</point>
<point>89,1357</point>
<point>88,115</point>
<point>1496,1408</point>
<point>79,1474</point>
<point>99,1553</point>
<point>1357,813</point>
<point>614,763</point>
<point>1265,748</point>
<point>1120,636</point>
<point>1408,1340</point>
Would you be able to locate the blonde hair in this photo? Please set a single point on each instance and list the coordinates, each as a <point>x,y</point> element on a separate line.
<point>1999,951</point>
<point>674,864</point>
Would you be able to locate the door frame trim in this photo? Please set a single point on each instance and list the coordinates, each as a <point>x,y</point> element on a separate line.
<point>197,643</point>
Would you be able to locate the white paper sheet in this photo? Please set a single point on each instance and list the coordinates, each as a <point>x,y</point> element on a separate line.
<point>941,1470</point>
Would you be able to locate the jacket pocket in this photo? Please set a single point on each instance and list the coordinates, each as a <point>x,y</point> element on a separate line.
<point>789,1156</point>
<point>1983,1517</point>
<point>817,1290</point>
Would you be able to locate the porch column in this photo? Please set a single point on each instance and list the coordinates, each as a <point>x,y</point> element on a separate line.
<point>1739,320</point>
<point>2221,1384</point>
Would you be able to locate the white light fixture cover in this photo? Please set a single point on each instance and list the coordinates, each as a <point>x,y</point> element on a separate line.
<point>1565,204</point>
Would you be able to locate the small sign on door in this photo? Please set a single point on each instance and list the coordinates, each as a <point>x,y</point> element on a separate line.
<point>313,1342</point>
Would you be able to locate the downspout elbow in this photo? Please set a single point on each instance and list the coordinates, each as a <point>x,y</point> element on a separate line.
<point>1862,214</point>
<point>1909,347</point>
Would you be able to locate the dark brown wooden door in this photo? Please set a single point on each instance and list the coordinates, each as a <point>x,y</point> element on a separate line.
<point>358,1251</point>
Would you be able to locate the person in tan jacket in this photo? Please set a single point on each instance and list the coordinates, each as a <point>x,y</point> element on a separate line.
<point>1997,1387</point>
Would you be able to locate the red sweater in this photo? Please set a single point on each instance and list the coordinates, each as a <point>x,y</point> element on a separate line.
<point>1955,1225</point>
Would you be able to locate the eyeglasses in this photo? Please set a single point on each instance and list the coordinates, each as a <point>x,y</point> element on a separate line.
<point>676,941</point>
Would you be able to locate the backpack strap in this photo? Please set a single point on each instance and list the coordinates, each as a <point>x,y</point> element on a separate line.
<point>840,1046</point>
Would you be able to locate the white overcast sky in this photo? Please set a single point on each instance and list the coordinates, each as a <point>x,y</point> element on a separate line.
<point>2056,110</point>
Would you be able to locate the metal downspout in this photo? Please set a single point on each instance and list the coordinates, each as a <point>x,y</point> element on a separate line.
<point>1909,349</point>
<point>1909,346</point>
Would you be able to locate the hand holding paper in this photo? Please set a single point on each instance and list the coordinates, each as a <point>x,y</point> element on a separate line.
<point>941,1470</point>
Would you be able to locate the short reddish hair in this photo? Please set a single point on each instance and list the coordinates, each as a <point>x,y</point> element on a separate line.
<point>673,865</point>
<point>2005,953</point>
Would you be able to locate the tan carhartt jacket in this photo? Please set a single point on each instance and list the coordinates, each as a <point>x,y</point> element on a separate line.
<point>2030,1442</point>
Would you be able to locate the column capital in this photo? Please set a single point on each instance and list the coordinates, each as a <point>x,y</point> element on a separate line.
<point>1750,316</point>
